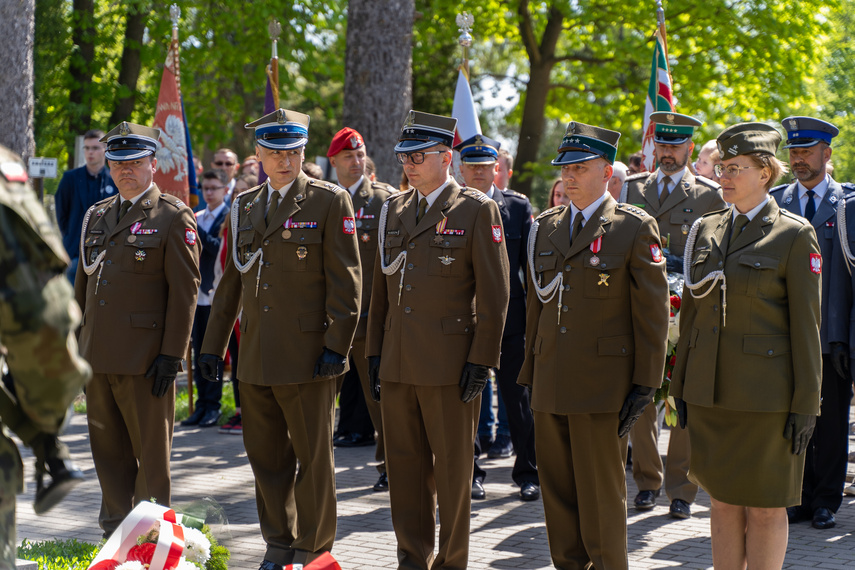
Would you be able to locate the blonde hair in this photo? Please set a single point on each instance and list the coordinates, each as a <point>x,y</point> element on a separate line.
<point>775,166</point>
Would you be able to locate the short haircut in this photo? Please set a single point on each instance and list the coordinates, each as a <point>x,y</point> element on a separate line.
<point>636,159</point>
<point>775,166</point>
<point>709,147</point>
<point>93,134</point>
<point>250,179</point>
<point>216,175</point>
<point>312,170</point>
<point>226,150</point>
<point>506,157</point>
<point>619,171</point>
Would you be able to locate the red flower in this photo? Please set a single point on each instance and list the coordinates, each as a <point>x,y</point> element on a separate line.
<point>675,301</point>
<point>142,553</point>
<point>673,360</point>
<point>106,565</point>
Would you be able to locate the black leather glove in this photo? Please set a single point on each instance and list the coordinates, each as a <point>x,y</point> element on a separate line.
<point>164,369</point>
<point>840,359</point>
<point>682,412</point>
<point>211,367</point>
<point>799,428</point>
<point>374,377</point>
<point>638,399</point>
<point>473,380</point>
<point>329,364</point>
<point>673,263</point>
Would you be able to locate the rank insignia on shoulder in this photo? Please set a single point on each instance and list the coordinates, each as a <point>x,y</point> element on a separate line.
<point>190,236</point>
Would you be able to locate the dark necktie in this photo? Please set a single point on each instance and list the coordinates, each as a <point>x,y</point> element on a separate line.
<point>274,203</point>
<point>739,224</point>
<point>666,189</point>
<point>810,207</point>
<point>126,205</point>
<point>423,205</point>
<point>577,226</point>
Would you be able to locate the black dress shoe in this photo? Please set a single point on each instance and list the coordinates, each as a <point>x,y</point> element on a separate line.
<point>65,475</point>
<point>797,514</point>
<point>680,509</point>
<point>195,417</point>
<point>529,491</point>
<point>382,483</point>
<point>210,418</point>
<point>478,492</point>
<point>646,500</point>
<point>823,518</point>
<point>268,565</point>
<point>353,440</point>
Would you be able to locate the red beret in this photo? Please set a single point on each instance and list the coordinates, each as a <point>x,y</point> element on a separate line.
<point>345,139</point>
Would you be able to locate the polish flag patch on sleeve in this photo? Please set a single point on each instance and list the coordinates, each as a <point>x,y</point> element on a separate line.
<point>349,225</point>
<point>190,236</point>
<point>497,233</point>
<point>656,253</point>
<point>816,263</point>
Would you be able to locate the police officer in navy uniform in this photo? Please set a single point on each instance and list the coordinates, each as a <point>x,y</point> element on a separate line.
<point>815,195</point>
<point>479,163</point>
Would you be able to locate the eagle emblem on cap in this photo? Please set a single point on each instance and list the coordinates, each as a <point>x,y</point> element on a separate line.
<point>478,139</point>
<point>411,118</point>
<point>124,129</point>
<point>670,118</point>
<point>794,124</point>
<point>354,142</point>
<point>572,127</point>
<point>280,116</point>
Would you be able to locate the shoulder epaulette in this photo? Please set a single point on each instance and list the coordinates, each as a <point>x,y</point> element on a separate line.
<point>778,188</point>
<point>550,211</point>
<point>517,194</point>
<point>634,210</point>
<point>848,186</point>
<point>408,192</point>
<point>637,176</point>
<point>325,185</point>
<point>383,186</point>
<point>476,194</point>
<point>169,199</point>
<point>707,182</point>
<point>793,216</point>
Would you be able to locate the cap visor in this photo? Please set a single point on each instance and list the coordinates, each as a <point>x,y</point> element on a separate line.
<point>128,154</point>
<point>670,140</point>
<point>477,159</point>
<point>574,156</point>
<point>291,144</point>
<point>414,145</point>
<point>802,143</point>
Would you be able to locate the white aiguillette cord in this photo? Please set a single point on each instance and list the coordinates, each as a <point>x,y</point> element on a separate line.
<point>546,293</point>
<point>399,261</point>
<point>715,276</point>
<point>257,255</point>
<point>841,231</point>
<point>89,268</point>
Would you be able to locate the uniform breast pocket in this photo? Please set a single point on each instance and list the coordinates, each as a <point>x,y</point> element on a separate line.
<point>681,223</point>
<point>758,275</point>
<point>393,246</point>
<point>244,245</point>
<point>603,280</point>
<point>92,246</point>
<point>544,269</point>
<point>699,261</point>
<point>142,255</point>
<point>447,256</point>
<point>366,232</point>
<point>303,251</point>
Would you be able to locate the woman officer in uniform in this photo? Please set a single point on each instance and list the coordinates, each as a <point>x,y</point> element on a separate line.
<point>747,376</point>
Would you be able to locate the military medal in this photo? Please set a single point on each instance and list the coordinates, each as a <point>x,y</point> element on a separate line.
<point>139,255</point>
<point>366,237</point>
<point>437,240</point>
<point>440,227</point>
<point>684,228</point>
<point>132,238</point>
<point>248,207</point>
<point>604,279</point>
<point>302,252</point>
<point>596,245</point>
<point>446,259</point>
<point>286,234</point>
<point>100,212</point>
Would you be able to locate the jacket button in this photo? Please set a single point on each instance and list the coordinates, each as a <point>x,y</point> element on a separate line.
<point>715,307</point>
<point>409,266</point>
<point>266,309</point>
<point>112,243</point>
<point>562,330</point>
<point>756,264</point>
<point>412,245</point>
<point>408,287</point>
<point>720,264</point>
<point>567,287</point>
<point>623,350</point>
<point>154,325</point>
<point>267,242</point>
<point>265,286</point>
<point>466,329</point>
<point>771,352</point>
<point>540,267</point>
<point>447,244</point>
<point>102,302</point>
<point>109,262</point>
<point>266,264</point>
<point>408,310</point>
<point>103,282</point>
<point>567,267</point>
<point>565,308</point>
<point>715,329</point>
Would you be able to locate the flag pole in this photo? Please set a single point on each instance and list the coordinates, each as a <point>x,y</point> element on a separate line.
<point>660,17</point>
<point>174,14</point>
<point>464,23</point>
<point>274,29</point>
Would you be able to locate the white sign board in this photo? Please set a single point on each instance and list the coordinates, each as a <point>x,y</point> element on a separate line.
<point>41,167</point>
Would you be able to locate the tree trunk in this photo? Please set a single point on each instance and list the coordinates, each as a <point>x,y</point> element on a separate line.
<point>17,30</point>
<point>378,77</point>
<point>131,63</point>
<point>531,127</point>
<point>83,35</point>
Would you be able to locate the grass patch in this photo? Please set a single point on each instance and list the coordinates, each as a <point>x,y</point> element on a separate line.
<point>59,554</point>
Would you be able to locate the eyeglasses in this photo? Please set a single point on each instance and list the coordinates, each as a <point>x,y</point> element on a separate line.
<point>415,157</point>
<point>732,171</point>
<point>221,163</point>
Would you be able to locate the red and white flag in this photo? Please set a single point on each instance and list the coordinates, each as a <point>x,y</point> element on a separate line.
<point>659,97</point>
<point>172,172</point>
<point>463,110</point>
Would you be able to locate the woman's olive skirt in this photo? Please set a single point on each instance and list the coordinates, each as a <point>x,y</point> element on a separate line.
<point>742,458</point>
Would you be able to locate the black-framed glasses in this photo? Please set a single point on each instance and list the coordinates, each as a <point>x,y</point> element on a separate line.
<point>732,171</point>
<point>415,157</point>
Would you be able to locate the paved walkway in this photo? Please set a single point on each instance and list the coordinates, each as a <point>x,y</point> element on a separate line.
<point>506,533</point>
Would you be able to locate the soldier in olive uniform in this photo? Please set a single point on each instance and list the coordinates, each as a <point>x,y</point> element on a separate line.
<point>294,270</point>
<point>747,376</point>
<point>137,283</point>
<point>676,198</point>
<point>596,330</point>
<point>814,196</point>
<point>37,318</point>
<point>438,306</point>
<point>347,156</point>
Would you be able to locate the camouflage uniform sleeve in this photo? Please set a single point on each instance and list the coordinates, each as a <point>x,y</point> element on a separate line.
<point>37,318</point>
